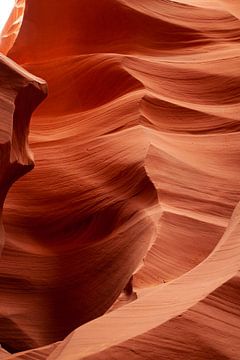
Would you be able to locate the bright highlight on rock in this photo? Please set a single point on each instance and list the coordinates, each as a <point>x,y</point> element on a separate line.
<point>6,7</point>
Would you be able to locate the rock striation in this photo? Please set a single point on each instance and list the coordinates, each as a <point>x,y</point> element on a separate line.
<point>124,241</point>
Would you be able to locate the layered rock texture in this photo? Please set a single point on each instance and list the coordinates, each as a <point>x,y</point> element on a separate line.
<point>123,242</point>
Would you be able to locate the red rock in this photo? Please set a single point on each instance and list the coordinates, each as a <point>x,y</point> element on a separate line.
<point>21,93</point>
<point>136,177</point>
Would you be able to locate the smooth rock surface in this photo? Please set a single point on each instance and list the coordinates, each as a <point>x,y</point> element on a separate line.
<point>124,242</point>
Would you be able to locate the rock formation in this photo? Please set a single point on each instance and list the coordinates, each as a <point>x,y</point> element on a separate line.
<point>21,92</point>
<point>124,241</point>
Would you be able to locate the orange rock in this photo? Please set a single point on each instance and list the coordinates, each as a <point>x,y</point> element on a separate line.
<point>137,152</point>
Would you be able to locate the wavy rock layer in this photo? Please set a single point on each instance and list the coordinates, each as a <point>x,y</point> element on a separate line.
<point>135,183</point>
